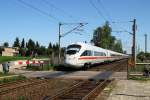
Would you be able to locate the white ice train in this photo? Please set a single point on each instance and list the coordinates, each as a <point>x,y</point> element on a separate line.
<point>83,55</point>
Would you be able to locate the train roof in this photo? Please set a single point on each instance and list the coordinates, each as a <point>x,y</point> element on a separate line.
<point>89,46</point>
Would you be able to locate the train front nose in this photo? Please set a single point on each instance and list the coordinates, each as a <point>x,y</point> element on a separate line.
<point>70,60</point>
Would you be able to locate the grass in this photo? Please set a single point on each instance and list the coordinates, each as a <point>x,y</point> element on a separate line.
<point>22,98</point>
<point>138,68</point>
<point>138,60</point>
<point>139,78</point>
<point>8,58</point>
<point>12,79</point>
<point>2,74</point>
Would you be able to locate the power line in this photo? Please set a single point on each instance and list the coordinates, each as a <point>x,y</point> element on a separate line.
<point>121,21</point>
<point>60,10</point>
<point>111,21</point>
<point>39,10</point>
<point>98,11</point>
<point>76,28</point>
<point>105,10</point>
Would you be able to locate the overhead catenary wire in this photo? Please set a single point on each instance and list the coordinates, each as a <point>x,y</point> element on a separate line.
<point>105,10</point>
<point>110,18</point>
<point>98,10</point>
<point>39,10</point>
<point>59,9</point>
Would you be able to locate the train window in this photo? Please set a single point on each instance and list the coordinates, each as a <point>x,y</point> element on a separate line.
<point>87,53</point>
<point>74,46</point>
<point>73,49</point>
<point>99,53</point>
<point>71,52</point>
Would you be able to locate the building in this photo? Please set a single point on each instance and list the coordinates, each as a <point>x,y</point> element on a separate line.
<point>8,51</point>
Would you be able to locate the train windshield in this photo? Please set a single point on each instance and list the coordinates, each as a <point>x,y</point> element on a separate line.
<point>73,49</point>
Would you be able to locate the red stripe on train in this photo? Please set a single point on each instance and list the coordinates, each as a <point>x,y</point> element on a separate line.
<point>89,58</point>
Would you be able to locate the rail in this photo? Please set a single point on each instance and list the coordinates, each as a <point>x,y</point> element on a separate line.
<point>87,90</point>
<point>28,83</point>
<point>84,90</point>
<point>97,90</point>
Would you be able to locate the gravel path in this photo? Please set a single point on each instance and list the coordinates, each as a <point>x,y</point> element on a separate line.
<point>131,90</point>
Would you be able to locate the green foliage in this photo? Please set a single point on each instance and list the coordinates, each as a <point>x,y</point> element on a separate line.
<point>34,49</point>
<point>143,56</point>
<point>16,43</point>
<point>147,55</point>
<point>30,45</point>
<point>50,46</point>
<point>1,49</point>
<point>102,37</point>
<point>118,46</point>
<point>22,98</point>
<point>139,78</point>
<point>49,51</point>
<point>37,46</point>
<point>23,43</point>
<point>5,44</point>
<point>47,67</point>
<point>42,50</point>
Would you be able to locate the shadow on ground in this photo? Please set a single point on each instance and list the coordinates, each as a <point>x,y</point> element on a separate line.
<point>64,68</point>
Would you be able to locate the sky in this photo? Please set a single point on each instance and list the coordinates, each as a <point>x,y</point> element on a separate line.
<point>39,19</point>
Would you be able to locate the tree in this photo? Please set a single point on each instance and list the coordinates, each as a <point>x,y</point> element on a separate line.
<point>16,42</point>
<point>31,45</point>
<point>22,50</point>
<point>37,44</point>
<point>50,49</point>
<point>23,43</point>
<point>1,49</point>
<point>50,46</point>
<point>42,50</point>
<point>102,38</point>
<point>118,46</point>
<point>141,56</point>
<point>5,44</point>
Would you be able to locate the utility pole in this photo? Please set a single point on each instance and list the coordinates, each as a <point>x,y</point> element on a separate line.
<point>60,35</point>
<point>145,43</point>
<point>134,42</point>
<point>59,56</point>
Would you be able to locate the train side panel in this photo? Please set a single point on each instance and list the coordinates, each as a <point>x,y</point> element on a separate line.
<point>79,54</point>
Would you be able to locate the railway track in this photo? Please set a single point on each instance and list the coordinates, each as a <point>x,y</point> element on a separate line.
<point>84,90</point>
<point>113,66</point>
<point>13,83</point>
<point>6,88</point>
<point>30,89</point>
<point>88,90</point>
